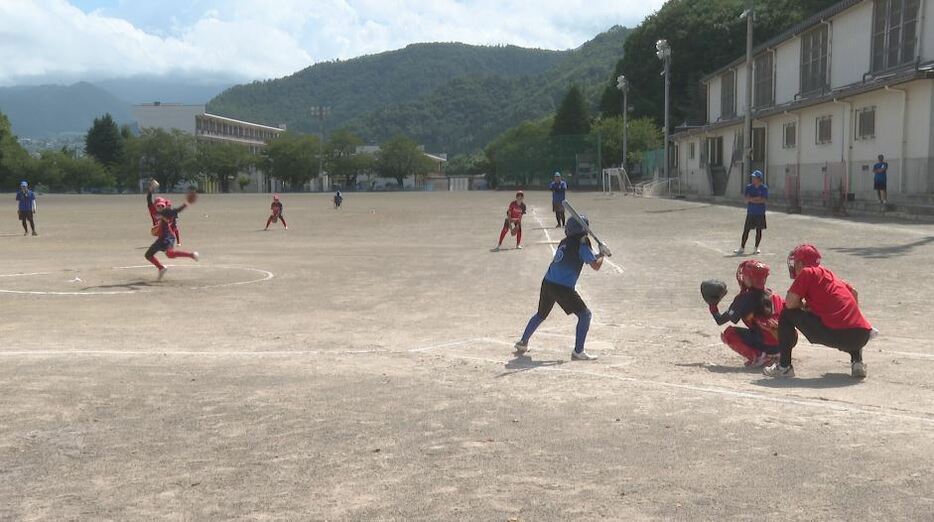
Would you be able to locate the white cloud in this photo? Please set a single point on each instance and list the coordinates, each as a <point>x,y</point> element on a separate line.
<point>253,39</point>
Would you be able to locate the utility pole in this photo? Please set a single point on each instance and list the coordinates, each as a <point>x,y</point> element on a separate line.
<point>749,14</point>
<point>321,112</point>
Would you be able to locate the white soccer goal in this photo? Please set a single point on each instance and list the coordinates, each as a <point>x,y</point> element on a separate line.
<point>619,175</point>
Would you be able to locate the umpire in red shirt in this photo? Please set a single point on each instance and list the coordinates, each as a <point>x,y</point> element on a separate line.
<point>825,309</point>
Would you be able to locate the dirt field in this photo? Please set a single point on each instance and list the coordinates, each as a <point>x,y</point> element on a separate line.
<point>359,366</point>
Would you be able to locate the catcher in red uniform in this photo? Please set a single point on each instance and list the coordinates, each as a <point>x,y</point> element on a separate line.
<point>276,215</point>
<point>513,222</point>
<point>756,306</point>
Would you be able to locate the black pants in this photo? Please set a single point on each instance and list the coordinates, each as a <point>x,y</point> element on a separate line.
<point>24,216</point>
<point>849,340</point>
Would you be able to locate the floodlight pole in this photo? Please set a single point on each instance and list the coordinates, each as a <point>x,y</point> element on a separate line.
<point>749,13</point>
<point>623,85</point>
<point>320,112</point>
<point>664,53</point>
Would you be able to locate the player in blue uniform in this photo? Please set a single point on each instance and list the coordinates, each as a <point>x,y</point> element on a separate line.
<point>880,180</point>
<point>559,190</point>
<point>756,194</point>
<point>26,200</point>
<point>558,287</point>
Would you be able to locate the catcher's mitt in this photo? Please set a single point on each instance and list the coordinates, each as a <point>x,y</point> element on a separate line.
<point>712,291</point>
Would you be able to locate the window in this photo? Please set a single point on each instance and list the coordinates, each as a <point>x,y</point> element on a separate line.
<point>728,95</point>
<point>691,151</point>
<point>866,123</point>
<point>894,31</point>
<point>758,144</point>
<point>814,61</point>
<point>764,93</point>
<point>790,133</point>
<point>824,133</point>
<point>674,155</point>
<point>715,151</point>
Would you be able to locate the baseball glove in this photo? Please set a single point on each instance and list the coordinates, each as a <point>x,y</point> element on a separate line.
<point>712,291</point>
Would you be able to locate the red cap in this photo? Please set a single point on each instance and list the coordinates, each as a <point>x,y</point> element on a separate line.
<point>275,196</point>
<point>807,254</point>
<point>520,193</point>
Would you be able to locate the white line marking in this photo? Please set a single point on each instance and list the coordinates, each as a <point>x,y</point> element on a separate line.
<point>279,353</point>
<point>910,354</point>
<point>266,276</point>
<point>814,403</point>
<point>442,345</point>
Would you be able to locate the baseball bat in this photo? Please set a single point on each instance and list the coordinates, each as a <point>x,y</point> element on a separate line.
<point>575,214</point>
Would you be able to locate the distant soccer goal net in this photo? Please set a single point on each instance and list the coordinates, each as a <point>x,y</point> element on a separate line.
<point>616,176</point>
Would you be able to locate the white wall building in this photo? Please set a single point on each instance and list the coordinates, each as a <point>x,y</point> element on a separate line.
<point>209,127</point>
<point>830,94</point>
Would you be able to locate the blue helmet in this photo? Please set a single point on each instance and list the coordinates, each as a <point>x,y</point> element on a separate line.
<point>23,183</point>
<point>575,228</point>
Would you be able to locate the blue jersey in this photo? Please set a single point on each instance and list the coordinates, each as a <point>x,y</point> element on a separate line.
<point>752,191</point>
<point>26,200</point>
<point>558,190</point>
<point>881,170</point>
<point>569,259</point>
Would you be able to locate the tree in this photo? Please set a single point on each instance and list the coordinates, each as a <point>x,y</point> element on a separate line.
<point>400,157</point>
<point>169,157</point>
<point>223,161</point>
<point>14,161</point>
<point>342,159</point>
<point>292,158</point>
<point>104,142</point>
<point>572,117</point>
<point>63,170</point>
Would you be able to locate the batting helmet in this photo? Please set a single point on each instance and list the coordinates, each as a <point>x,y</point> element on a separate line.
<point>752,273</point>
<point>575,228</point>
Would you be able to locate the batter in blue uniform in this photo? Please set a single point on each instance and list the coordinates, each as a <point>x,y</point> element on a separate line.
<point>558,287</point>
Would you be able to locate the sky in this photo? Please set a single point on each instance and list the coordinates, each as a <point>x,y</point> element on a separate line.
<point>59,41</point>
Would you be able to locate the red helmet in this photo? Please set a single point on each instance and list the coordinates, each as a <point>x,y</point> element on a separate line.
<point>808,255</point>
<point>275,197</point>
<point>160,202</point>
<point>520,194</point>
<point>752,274</point>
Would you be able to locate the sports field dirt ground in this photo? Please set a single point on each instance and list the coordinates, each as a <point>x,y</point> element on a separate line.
<point>359,366</point>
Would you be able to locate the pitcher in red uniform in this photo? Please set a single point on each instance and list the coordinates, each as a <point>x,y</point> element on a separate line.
<point>513,222</point>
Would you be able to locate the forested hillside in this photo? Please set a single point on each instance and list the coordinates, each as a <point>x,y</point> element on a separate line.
<point>451,97</point>
<point>46,110</point>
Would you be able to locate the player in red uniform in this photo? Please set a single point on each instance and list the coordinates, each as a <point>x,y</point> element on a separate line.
<point>513,220</point>
<point>151,203</point>
<point>164,230</point>
<point>276,215</point>
<point>759,309</point>
<point>825,309</point>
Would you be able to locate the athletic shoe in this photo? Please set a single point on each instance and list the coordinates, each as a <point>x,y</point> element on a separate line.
<point>758,251</point>
<point>195,256</point>
<point>518,247</point>
<point>521,347</point>
<point>286,228</point>
<point>34,233</point>
<point>582,356</point>
<point>162,272</point>
<point>873,334</point>
<point>25,233</point>
<point>495,249</point>
<point>858,370</point>
<point>739,251</point>
<point>777,370</point>
<point>759,361</point>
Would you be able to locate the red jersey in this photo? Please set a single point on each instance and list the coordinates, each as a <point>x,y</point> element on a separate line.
<point>767,325</point>
<point>829,298</point>
<point>276,208</point>
<point>516,210</point>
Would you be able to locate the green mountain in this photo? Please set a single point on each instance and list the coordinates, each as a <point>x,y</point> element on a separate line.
<point>48,110</point>
<point>451,97</point>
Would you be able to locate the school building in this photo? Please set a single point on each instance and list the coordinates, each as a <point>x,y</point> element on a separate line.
<point>210,127</point>
<point>851,82</point>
